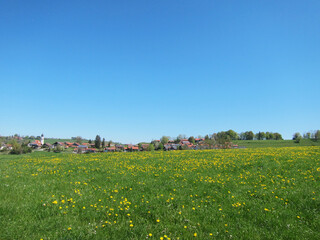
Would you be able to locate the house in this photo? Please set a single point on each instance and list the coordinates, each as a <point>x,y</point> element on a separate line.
<point>144,147</point>
<point>9,146</point>
<point>171,146</point>
<point>92,150</point>
<point>110,149</point>
<point>75,144</point>
<point>198,140</point>
<point>61,144</point>
<point>132,148</point>
<point>68,144</point>
<point>35,144</point>
<point>47,145</point>
<point>80,149</point>
<point>185,142</point>
<point>119,147</point>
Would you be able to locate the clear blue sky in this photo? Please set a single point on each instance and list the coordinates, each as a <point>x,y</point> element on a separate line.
<point>134,71</point>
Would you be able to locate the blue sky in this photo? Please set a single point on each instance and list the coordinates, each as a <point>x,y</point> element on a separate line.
<point>134,71</point>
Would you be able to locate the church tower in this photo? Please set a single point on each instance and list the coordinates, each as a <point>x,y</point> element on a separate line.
<point>42,139</point>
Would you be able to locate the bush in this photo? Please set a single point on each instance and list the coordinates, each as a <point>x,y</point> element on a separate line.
<point>58,149</point>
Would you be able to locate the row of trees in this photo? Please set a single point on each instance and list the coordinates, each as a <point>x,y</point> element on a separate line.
<point>308,135</point>
<point>231,135</point>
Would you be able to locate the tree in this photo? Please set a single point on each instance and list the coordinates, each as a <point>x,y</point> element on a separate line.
<point>242,136</point>
<point>89,141</point>
<point>249,135</point>
<point>307,135</point>
<point>182,136</point>
<point>79,139</point>
<point>160,147</point>
<point>277,136</point>
<point>317,135</point>
<point>296,137</point>
<point>97,142</point>
<point>58,149</point>
<point>260,135</point>
<point>151,147</point>
<point>223,138</point>
<point>192,140</point>
<point>164,140</point>
<point>177,140</point>
<point>269,136</point>
<point>103,143</point>
<point>232,134</point>
<point>16,147</point>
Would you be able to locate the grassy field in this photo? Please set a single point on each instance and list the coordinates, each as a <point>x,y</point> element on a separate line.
<point>259,193</point>
<point>275,143</point>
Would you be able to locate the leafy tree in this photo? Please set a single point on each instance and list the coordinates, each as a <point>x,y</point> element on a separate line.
<point>249,135</point>
<point>79,139</point>
<point>317,135</point>
<point>182,136</point>
<point>164,140</point>
<point>269,136</point>
<point>16,147</point>
<point>307,135</point>
<point>58,149</point>
<point>277,136</point>
<point>183,147</point>
<point>296,137</point>
<point>232,134</point>
<point>223,138</point>
<point>242,136</point>
<point>160,147</point>
<point>192,140</point>
<point>103,143</point>
<point>260,135</point>
<point>151,147</point>
<point>97,142</point>
<point>155,144</point>
<point>89,141</point>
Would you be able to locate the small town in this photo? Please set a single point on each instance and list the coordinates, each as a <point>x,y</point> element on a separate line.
<point>88,146</point>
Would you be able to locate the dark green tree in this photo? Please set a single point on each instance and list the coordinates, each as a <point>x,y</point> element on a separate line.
<point>97,142</point>
<point>223,138</point>
<point>277,136</point>
<point>260,136</point>
<point>317,135</point>
<point>232,134</point>
<point>151,147</point>
<point>296,137</point>
<point>192,140</point>
<point>269,135</point>
<point>249,135</point>
<point>164,140</point>
<point>160,147</point>
<point>103,143</point>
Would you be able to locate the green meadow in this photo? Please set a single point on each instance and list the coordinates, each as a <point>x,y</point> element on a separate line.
<point>253,193</point>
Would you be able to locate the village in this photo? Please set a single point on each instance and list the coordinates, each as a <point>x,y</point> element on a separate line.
<point>84,146</point>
